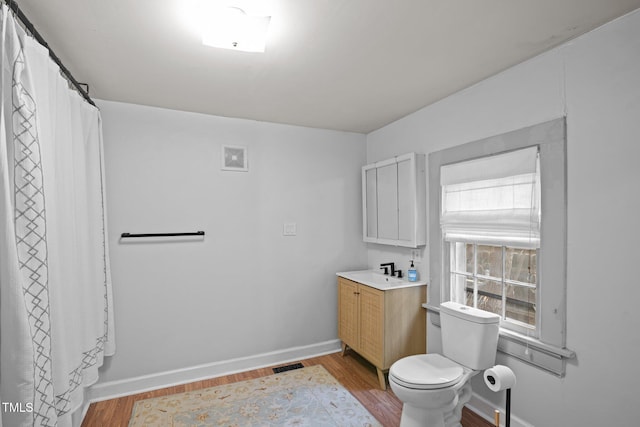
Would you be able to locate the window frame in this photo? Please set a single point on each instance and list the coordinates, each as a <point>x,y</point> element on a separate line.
<point>548,350</point>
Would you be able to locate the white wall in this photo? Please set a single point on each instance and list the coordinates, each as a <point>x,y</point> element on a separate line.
<point>595,79</point>
<point>245,289</point>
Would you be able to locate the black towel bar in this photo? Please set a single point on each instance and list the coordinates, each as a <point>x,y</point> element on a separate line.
<point>196,233</point>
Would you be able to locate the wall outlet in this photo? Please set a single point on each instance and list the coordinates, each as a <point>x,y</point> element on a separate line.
<point>289,229</point>
<point>416,256</point>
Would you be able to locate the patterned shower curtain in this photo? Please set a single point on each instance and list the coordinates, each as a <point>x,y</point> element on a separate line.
<point>56,317</point>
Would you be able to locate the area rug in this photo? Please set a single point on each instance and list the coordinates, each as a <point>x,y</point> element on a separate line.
<point>303,397</point>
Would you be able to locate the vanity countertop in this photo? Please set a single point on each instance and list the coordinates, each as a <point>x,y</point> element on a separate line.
<point>378,280</point>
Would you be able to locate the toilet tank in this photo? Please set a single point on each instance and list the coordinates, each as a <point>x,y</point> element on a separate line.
<point>469,335</point>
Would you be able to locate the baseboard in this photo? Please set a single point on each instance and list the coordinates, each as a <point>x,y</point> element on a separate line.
<point>114,389</point>
<point>78,416</point>
<point>485,409</point>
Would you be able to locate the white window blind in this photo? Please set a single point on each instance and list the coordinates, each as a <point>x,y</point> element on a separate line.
<point>493,200</point>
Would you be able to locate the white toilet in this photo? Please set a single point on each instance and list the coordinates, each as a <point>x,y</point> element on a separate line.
<point>434,387</point>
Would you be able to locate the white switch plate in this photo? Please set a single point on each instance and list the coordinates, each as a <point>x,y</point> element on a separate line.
<point>289,229</point>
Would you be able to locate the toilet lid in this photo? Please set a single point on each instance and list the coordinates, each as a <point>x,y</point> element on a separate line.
<point>426,371</point>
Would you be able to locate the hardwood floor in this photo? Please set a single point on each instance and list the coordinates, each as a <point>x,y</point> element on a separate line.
<point>352,371</point>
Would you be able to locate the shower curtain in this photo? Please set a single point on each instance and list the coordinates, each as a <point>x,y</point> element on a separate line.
<point>56,317</point>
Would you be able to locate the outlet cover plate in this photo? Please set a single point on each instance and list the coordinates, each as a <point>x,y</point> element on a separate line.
<point>289,229</point>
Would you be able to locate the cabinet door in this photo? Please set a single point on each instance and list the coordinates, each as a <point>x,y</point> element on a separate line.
<point>370,207</point>
<point>348,312</point>
<point>406,199</point>
<point>371,324</point>
<point>388,201</point>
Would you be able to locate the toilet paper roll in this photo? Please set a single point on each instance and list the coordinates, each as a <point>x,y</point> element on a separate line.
<point>499,377</point>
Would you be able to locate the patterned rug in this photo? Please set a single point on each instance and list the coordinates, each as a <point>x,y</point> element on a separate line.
<point>303,397</point>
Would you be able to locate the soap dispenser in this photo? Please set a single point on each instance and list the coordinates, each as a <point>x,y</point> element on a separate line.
<point>412,274</point>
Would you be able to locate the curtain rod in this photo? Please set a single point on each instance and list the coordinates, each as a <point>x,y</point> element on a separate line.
<point>25,21</point>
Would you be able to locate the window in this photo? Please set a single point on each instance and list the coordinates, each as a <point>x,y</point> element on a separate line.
<point>499,279</point>
<point>497,237</point>
<point>490,220</point>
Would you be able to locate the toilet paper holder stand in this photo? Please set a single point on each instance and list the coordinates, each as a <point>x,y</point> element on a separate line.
<point>507,406</point>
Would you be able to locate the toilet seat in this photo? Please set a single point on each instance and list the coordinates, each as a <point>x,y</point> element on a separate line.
<point>426,372</point>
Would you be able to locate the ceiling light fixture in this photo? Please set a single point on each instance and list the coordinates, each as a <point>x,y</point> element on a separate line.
<point>232,28</point>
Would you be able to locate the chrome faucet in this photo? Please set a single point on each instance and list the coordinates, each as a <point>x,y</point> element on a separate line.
<point>386,266</point>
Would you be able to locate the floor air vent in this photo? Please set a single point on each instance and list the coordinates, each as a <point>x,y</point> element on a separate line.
<point>287,368</point>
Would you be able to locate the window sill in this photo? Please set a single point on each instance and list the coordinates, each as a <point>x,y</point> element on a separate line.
<point>530,350</point>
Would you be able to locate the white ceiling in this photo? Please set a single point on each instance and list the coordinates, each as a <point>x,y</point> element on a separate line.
<point>353,65</point>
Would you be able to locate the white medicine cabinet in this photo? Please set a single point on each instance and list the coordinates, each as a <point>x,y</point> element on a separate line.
<point>394,201</point>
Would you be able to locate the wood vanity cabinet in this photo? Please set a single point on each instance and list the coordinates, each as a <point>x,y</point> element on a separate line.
<point>381,326</point>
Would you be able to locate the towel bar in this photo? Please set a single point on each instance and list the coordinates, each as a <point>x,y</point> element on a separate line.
<point>195,233</point>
